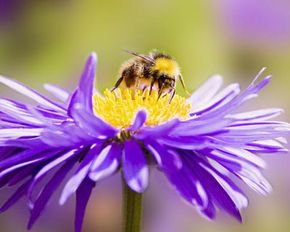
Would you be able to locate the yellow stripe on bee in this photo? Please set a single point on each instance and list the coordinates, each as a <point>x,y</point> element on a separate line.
<point>119,108</point>
<point>167,66</point>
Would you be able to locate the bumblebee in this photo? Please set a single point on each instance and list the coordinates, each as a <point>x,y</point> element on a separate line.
<point>154,72</point>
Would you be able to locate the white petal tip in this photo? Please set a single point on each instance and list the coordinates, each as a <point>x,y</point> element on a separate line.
<point>94,56</point>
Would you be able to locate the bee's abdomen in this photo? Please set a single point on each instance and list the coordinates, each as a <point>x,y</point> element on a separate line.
<point>130,75</point>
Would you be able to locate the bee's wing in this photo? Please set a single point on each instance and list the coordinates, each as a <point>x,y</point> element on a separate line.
<point>147,58</point>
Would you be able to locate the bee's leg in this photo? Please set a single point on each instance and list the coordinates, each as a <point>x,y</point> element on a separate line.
<point>160,91</point>
<point>183,84</point>
<point>171,95</point>
<point>144,91</point>
<point>119,81</point>
<point>135,89</point>
<point>151,85</point>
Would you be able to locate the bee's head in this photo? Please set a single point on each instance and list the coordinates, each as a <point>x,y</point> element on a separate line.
<point>166,70</point>
<point>165,83</point>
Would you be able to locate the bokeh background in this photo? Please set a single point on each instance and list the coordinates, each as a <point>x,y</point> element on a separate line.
<point>49,40</point>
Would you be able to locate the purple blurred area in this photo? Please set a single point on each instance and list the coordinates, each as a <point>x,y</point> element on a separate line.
<point>257,21</point>
<point>10,10</point>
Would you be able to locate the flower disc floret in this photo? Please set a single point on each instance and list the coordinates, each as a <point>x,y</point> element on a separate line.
<point>119,108</point>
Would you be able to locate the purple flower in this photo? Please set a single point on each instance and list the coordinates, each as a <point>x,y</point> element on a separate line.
<point>9,10</point>
<point>257,22</point>
<point>200,144</point>
<point>12,11</point>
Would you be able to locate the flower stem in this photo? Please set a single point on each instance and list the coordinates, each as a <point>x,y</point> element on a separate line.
<point>132,209</point>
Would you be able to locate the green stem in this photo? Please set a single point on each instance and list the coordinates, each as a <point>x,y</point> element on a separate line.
<point>132,209</point>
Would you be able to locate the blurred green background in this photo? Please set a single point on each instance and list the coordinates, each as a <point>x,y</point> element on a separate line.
<point>48,41</point>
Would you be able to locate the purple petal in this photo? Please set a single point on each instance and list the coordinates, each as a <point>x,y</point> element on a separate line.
<point>139,120</point>
<point>157,131</point>
<point>205,93</point>
<point>106,163</point>
<point>165,157</point>
<point>84,94</point>
<point>218,193</point>
<point>82,197</point>
<point>241,139</point>
<point>235,193</point>
<point>82,172</point>
<point>20,192</point>
<point>266,146</point>
<point>182,178</point>
<point>250,127</point>
<point>255,88</point>
<point>209,211</point>
<point>186,143</point>
<point>58,92</point>
<point>250,175</point>
<point>47,168</point>
<point>15,133</point>
<point>260,115</point>
<point>48,190</point>
<point>135,168</point>
<point>18,166</point>
<point>188,185</point>
<point>223,98</point>
<point>92,124</point>
<point>194,128</point>
<point>26,156</point>
<point>30,93</point>
<point>65,135</point>
<point>13,110</point>
<point>5,179</point>
<point>238,154</point>
<point>236,102</point>
<point>246,171</point>
<point>22,174</point>
<point>8,151</point>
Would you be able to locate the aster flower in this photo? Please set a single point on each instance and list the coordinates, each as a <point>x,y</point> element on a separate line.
<point>201,144</point>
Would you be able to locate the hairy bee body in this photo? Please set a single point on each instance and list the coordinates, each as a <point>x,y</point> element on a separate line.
<point>155,71</point>
<point>134,73</point>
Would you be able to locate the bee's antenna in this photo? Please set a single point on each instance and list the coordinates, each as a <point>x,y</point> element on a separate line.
<point>183,84</point>
<point>147,58</point>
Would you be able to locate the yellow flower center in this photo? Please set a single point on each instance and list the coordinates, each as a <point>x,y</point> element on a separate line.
<point>119,108</point>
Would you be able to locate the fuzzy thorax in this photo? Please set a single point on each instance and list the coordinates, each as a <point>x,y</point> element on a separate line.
<point>119,108</point>
<point>166,66</point>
